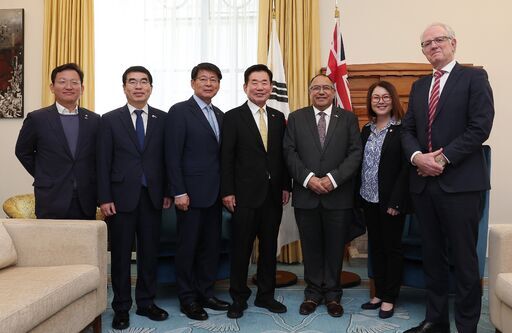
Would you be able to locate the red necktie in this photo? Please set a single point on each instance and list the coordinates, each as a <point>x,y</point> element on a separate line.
<point>432,106</point>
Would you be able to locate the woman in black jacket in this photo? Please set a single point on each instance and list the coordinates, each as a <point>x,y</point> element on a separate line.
<point>384,193</point>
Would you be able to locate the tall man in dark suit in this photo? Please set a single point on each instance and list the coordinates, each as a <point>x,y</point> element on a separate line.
<point>193,165</point>
<point>323,152</point>
<point>255,185</point>
<point>57,146</point>
<point>450,115</point>
<point>132,190</point>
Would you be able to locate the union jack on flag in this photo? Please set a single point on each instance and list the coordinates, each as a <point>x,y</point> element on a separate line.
<point>337,70</point>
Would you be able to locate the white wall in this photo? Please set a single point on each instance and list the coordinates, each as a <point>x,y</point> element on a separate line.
<point>13,177</point>
<point>373,31</point>
<point>389,31</point>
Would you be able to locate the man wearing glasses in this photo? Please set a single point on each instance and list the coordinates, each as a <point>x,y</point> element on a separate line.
<point>323,151</point>
<point>132,186</point>
<point>450,116</point>
<point>192,149</point>
<point>57,146</point>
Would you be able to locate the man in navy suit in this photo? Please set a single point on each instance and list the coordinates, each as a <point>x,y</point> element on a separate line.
<point>57,146</point>
<point>193,166</point>
<point>450,116</point>
<point>254,187</point>
<point>132,187</point>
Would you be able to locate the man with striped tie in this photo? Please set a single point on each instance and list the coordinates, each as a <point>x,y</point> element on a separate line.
<point>449,117</point>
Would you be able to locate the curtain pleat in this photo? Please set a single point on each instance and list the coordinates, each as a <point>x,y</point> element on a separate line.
<point>69,37</point>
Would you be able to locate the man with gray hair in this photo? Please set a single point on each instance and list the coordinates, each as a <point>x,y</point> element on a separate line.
<point>450,115</point>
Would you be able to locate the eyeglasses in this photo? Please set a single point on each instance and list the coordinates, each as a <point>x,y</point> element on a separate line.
<point>437,40</point>
<point>377,98</point>
<point>74,83</point>
<point>134,83</point>
<point>320,88</point>
<point>204,80</point>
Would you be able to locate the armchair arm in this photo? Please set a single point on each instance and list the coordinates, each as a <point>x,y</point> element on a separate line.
<point>500,261</point>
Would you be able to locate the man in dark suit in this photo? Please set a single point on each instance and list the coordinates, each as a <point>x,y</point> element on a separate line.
<point>450,115</point>
<point>254,186</point>
<point>57,146</point>
<point>323,152</point>
<point>132,189</point>
<point>193,165</point>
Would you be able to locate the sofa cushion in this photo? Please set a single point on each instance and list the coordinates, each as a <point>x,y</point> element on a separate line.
<point>30,295</point>
<point>504,288</point>
<point>7,251</point>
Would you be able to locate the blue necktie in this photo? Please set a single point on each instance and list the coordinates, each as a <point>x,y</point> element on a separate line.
<point>139,129</point>
<point>212,121</point>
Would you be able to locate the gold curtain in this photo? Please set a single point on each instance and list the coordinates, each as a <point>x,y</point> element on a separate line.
<point>299,35</point>
<point>69,37</point>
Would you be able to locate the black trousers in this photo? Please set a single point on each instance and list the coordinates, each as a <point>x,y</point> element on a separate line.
<point>385,240</point>
<point>450,220</point>
<point>322,235</point>
<point>247,224</point>
<point>143,224</point>
<point>197,254</point>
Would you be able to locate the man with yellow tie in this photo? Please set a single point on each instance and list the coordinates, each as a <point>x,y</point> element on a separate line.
<point>254,187</point>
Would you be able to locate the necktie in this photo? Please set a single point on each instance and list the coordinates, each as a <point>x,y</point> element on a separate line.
<point>432,106</point>
<point>321,127</point>
<point>263,128</point>
<point>139,129</point>
<point>211,120</point>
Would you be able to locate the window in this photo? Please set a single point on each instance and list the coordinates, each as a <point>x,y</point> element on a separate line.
<point>170,37</point>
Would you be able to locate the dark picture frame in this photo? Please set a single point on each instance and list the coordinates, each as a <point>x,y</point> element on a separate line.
<point>11,63</point>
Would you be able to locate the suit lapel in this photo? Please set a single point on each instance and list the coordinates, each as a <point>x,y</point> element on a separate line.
<point>198,113</point>
<point>56,126</point>
<point>311,121</point>
<point>448,87</point>
<point>272,127</point>
<point>249,119</point>
<point>83,123</point>
<point>423,96</point>
<point>333,121</point>
<point>388,138</point>
<point>126,120</point>
<point>153,118</point>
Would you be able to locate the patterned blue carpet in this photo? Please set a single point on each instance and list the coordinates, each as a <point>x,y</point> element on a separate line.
<point>409,312</point>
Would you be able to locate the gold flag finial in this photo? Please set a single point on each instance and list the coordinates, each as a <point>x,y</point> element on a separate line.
<point>273,9</point>
<point>336,12</point>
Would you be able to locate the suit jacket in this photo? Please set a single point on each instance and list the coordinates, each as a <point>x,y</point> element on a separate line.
<point>340,156</point>
<point>121,162</point>
<point>247,170</point>
<point>462,123</point>
<point>43,149</point>
<point>193,153</point>
<point>393,170</point>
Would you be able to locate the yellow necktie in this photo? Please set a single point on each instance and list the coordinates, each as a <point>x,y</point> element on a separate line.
<point>263,128</point>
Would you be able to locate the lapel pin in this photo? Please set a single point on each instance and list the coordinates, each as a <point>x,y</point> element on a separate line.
<point>153,116</point>
<point>273,115</point>
<point>86,116</point>
<point>336,115</point>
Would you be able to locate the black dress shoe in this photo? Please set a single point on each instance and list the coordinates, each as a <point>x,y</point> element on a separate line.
<point>121,320</point>
<point>236,310</point>
<point>334,309</point>
<point>307,307</point>
<point>429,327</point>
<point>215,304</point>
<point>371,306</point>
<point>271,305</point>
<point>153,312</point>
<point>194,311</point>
<point>383,314</point>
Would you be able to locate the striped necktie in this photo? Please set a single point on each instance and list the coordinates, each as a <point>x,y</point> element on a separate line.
<point>432,105</point>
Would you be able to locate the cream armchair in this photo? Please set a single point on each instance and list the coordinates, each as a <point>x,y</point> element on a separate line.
<point>53,275</point>
<point>500,276</point>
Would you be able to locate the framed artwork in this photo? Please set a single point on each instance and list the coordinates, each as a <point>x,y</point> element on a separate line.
<point>11,63</point>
